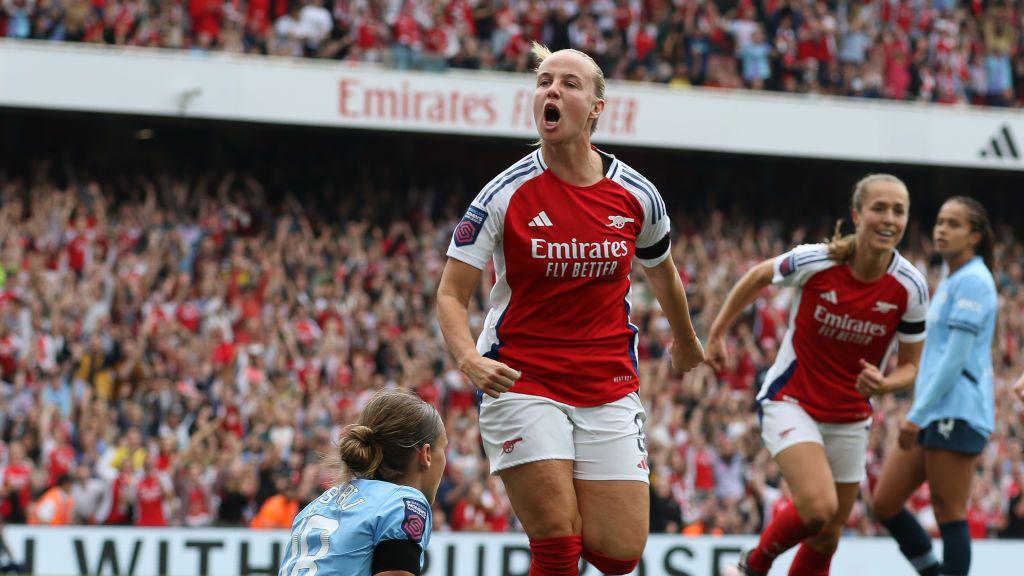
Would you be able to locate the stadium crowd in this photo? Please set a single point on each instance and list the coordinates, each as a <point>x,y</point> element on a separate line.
<point>179,351</point>
<point>946,51</point>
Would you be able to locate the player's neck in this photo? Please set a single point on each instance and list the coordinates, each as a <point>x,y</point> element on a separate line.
<point>957,261</point>
<point>869,265</point>
<point>574,162</point>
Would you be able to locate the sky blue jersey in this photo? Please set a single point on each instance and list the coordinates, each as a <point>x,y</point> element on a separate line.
<point>336,534</point>
<point>955,378</point>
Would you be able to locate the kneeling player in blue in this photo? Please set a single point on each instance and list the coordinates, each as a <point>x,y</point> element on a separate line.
<point>377,521</point>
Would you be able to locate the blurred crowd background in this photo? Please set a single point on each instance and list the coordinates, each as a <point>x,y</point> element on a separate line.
<point>946,51</point>
<point>179,347</point>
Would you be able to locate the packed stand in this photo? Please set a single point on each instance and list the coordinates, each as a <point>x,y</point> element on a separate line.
<point>183,355</point>
<point>945,51</point>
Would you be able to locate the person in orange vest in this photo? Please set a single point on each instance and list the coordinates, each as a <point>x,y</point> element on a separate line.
<point>280,509</point>
<point>55,506</point>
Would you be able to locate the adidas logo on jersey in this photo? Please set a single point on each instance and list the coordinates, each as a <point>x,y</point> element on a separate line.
<point>830,296</point>
<point>541,220</point>
<point>883,307</point>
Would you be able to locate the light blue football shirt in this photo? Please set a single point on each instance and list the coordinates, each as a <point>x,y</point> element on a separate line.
<point>965,300</point>
<point>335,535</point>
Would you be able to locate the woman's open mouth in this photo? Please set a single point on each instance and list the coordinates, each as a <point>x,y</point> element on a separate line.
<point>551,115</point>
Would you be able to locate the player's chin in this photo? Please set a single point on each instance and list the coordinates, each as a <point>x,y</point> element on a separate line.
<point>882,243</point>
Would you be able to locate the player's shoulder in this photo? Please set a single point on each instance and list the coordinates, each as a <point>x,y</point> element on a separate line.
<point>975,278</point>
<point>817,250</point>
<point>638,185</point>
<point>511,178</point>
<point>625,175</point>
<point>404,509</point>
<point>912,279</point>
<point>806,258</point>
<point>384,494</point>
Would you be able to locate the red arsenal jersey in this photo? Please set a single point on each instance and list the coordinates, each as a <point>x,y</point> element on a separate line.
<point>150,497</point>
<point>835,321</point>
<point>562,257</point>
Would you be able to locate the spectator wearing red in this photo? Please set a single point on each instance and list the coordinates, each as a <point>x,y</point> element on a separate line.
<point>17,487</point>
<point>152,494</point>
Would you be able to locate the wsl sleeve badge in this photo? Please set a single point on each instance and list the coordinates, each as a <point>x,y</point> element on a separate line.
<point>788,265</point>
<point>470,226</point>
<point>415,523</point>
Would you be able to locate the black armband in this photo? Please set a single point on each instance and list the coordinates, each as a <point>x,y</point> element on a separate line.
<point>397,555</point>
<point>654,250</point>
<point>911,328</point>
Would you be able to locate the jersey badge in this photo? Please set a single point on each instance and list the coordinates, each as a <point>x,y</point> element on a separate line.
<point>788,266</point>
<point>883,307</point>
<point>945,427</point>
<point>470,226</point>
<point>509,445</point>
<point>415,523</point>
<point>619,222</point>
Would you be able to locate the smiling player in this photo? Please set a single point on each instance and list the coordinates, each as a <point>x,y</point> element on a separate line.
<point>562,423</point>
<point>856,294</point>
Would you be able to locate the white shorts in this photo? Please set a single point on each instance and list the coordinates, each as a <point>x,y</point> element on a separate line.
<point>604,442</point>
<point>784,424</point>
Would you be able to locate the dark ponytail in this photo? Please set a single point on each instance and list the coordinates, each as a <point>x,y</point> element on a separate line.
<point>977,217</point>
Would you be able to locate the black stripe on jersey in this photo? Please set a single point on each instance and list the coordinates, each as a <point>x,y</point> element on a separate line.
<point>654,206</point>
<point>969,376</point>
<point>497,179</point>
<point>650,188</point>
<point>801,264</point>
<point>508,180</point>
<point>540,160</point>
<point>812,255</point>
<point>921,291</point>
<point>911,328</point>
<point>654,250</point>
<point>397,555</point>
<point>654,189</point>
<point>616,168</point>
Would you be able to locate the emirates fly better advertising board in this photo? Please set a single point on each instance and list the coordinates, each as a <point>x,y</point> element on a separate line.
<point>167,83</point>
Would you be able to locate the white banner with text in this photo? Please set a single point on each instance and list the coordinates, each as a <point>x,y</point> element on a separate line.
<point>106,551</point>
<point>169,83</point>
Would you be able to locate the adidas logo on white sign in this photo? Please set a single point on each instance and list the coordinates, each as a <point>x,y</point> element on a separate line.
<point>1002,146</point>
